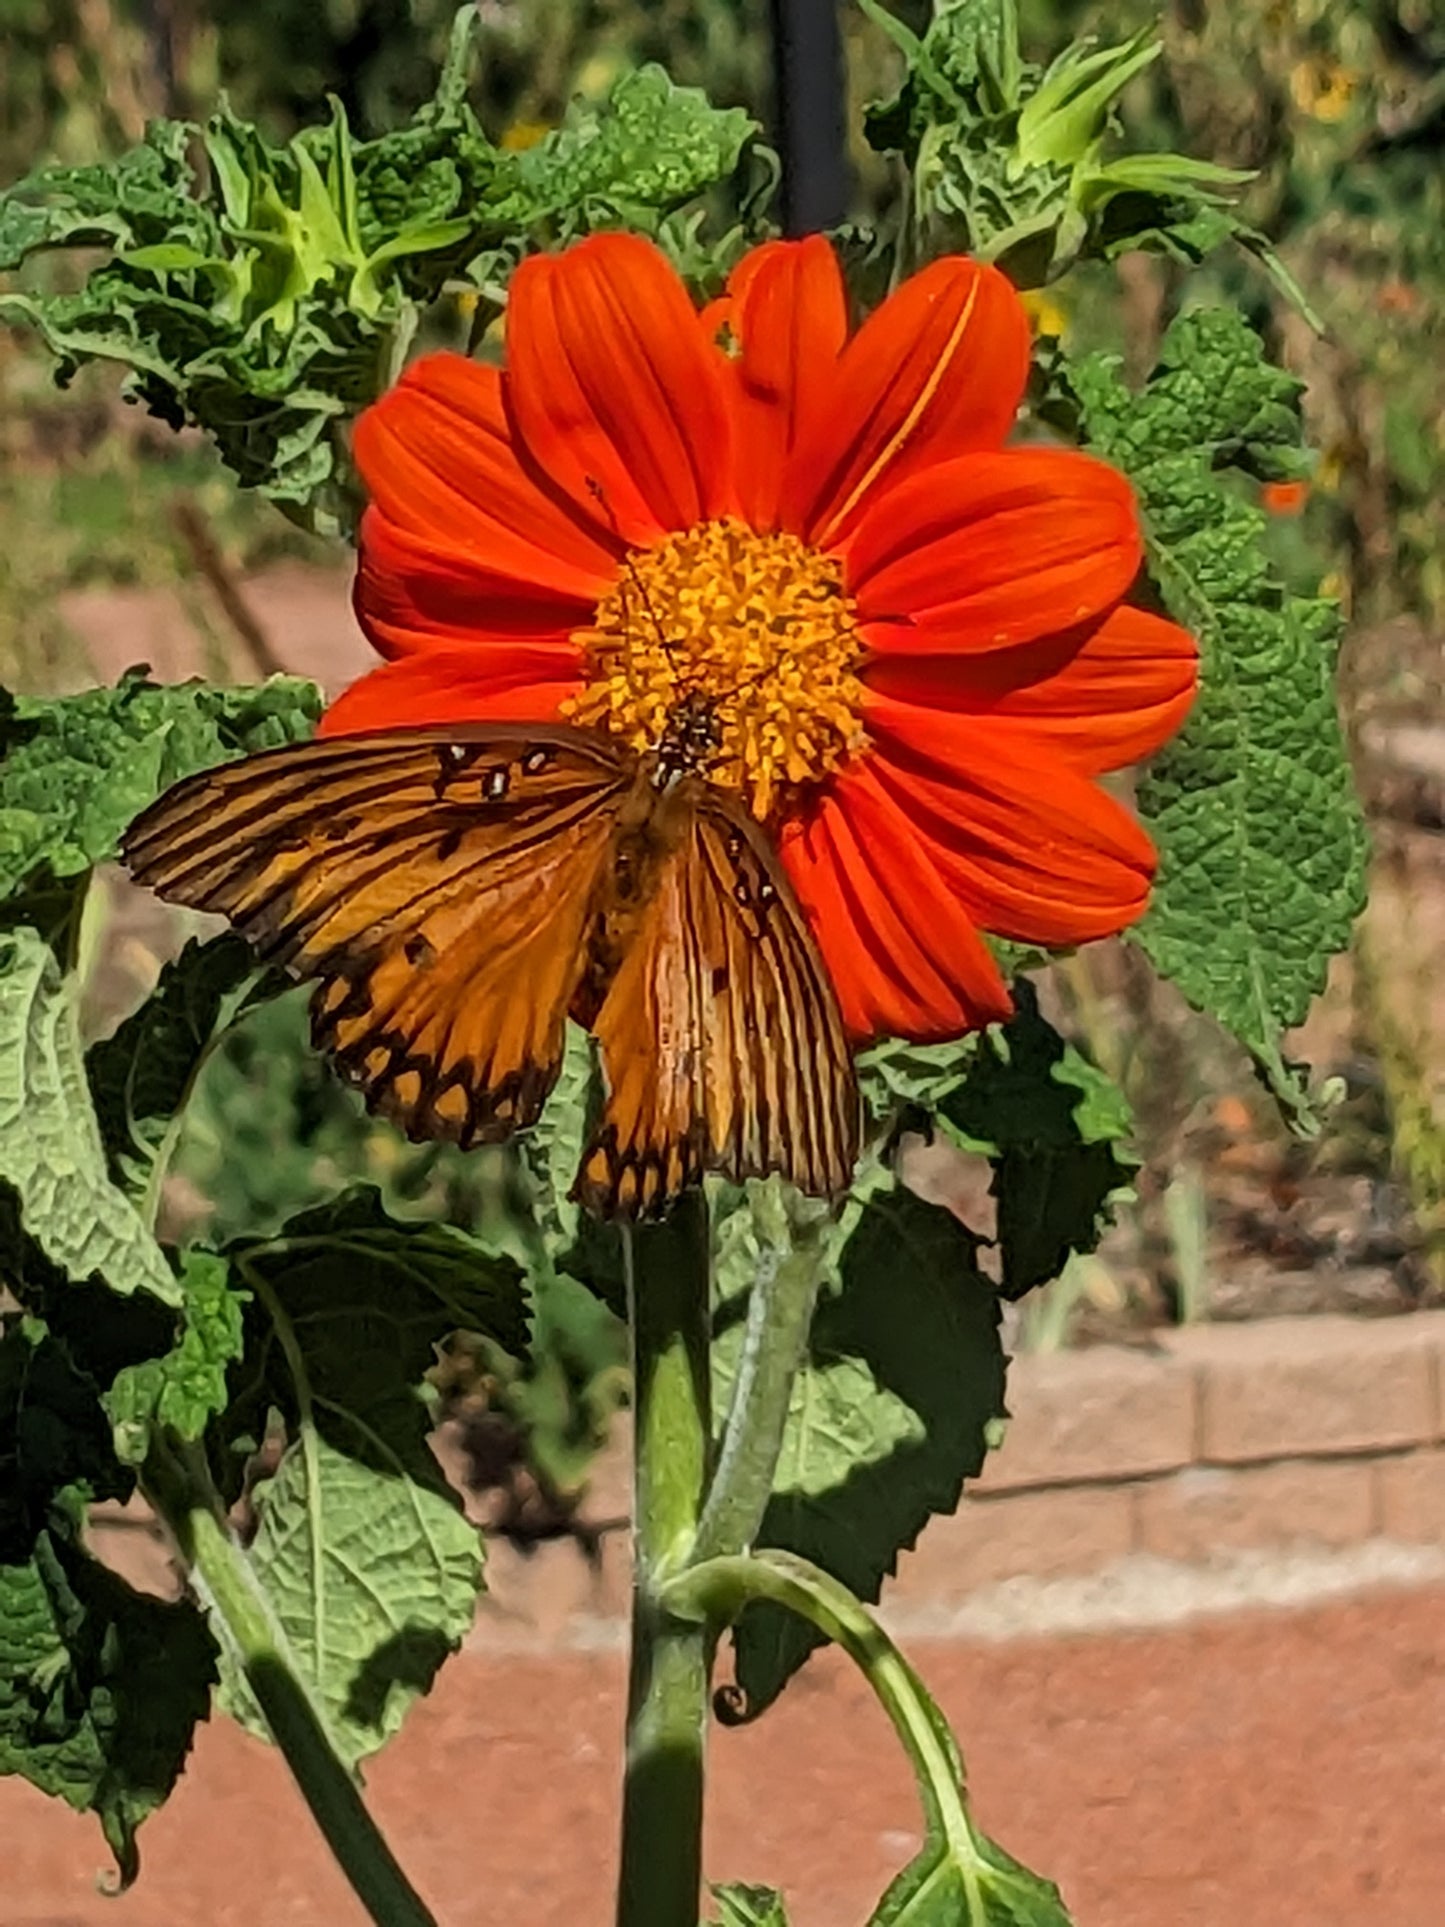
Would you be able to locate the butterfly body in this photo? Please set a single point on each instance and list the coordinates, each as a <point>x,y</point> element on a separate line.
<point>458,894</point>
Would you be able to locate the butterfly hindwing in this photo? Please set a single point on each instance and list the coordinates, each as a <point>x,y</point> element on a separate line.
<point>438,886</point>
<point>721,1040</point>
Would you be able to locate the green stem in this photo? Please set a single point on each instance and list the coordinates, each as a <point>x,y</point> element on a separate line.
<point>716,1592</point>
<point>780,1312</point>
<point>668,1307</point>
<point>178,1485</point>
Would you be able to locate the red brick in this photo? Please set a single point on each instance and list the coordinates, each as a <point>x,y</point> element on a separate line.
<point>533,1597</point>
<point>608,1498</point>
<point>1047,1535</point>
<point>611,1578</point>
<point>1106,1413</point>
<point>1208,1509</point>
<point>1290,1387</point>
<point>1411,1495</point>
<point>127,1539</point>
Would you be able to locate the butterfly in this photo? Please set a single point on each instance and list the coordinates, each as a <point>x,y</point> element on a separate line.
<point>457,893</point>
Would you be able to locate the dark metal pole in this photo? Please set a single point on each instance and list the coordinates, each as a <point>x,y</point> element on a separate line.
<point>809,90</point>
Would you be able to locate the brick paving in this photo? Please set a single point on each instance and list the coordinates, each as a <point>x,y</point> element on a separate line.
<point>1268,1770</point>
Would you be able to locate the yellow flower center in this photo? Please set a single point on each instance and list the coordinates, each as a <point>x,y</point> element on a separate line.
<point>754,628</point>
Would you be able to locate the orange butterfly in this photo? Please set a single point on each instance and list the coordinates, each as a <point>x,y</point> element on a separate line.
<point>458,893</point>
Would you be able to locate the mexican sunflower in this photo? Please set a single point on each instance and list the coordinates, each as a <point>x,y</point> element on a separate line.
<point>913,639</point>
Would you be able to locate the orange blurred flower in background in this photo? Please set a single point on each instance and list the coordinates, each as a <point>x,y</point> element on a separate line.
<point>1284,498</point>
<point>913,640</point>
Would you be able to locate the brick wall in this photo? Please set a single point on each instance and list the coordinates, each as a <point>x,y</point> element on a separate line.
<point>1281,1435</point>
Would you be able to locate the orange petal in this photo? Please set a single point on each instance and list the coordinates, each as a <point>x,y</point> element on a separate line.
<point>1034,850</point>
<point>450,686</point>
<point>993,549</point>
<point>937,370</point>
<point>615,390</point>
<point>1099,696</point>
<point>437,459</point>
<point>903,956</point>
<point>787,309</point>
<point>414,594</point>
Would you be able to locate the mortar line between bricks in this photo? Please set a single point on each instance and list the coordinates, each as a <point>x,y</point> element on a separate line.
<point>1154,1475</point>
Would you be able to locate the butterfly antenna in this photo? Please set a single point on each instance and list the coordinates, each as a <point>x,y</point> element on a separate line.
<point>671,648</point>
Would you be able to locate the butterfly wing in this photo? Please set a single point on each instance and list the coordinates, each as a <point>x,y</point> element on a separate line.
<point>439,886</point>
<point>720,1035</point>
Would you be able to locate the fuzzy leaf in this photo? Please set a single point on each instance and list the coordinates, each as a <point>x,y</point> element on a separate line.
<point>942,1889</point>
<point>362,1546</point>
<point>1052,1124</point>
<point>77,769</point>
<point>740,1906</point>
<point>652,147</point>
<point>1011,163</point>
<point>889,1416</point>
<point>185,1388</point>
<point>50,1146</point>
<point>551,1152</point>
<point>972,1883</point>
<point>140,1076</point>
<point>100,1688</point>
<point>271,295</point>
<point>1261,840</point>
<point>53,1434</point>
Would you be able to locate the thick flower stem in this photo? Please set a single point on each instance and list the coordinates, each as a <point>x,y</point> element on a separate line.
<point>241,1617</point>
<point>668,1308</point>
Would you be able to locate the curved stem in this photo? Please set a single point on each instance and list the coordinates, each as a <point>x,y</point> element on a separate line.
<point>178,1484</point>
<point>780,1312</point>
<point>668,1289</point>
<point>716,1593</point>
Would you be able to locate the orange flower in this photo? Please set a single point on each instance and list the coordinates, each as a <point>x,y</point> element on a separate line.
<point>914,637</point>
<point>1284,498</point>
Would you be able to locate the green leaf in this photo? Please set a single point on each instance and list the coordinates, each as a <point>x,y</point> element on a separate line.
<point>899,1075</point>
<point>551,1152</point>
<point>652,146</point>
<point>100,1688</point>
<point>77,769</point>
<point>1009,162</point>
<point>129,202</point>
<point>141,1076</point>
<point>1261,839</point>
<point>749,1907</point>
<point>50,1145</point>
<point>361,1545</point>
<point>890,1413</point>
<point>273,293</point>
<point>53,1434</point>
<point>185,1388</point>
<point>968,1881</point>
<point>1052,1125</point>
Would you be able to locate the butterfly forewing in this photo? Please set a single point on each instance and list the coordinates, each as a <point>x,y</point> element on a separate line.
<point>721,1041</point>
<point>439,886</point>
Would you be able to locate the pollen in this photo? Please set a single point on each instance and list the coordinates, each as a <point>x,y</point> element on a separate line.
<point>756,628</point>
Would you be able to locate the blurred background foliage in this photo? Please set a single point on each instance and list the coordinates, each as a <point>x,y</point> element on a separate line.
<point>1338,107</point>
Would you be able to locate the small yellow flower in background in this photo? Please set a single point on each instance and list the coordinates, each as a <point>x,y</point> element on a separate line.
<point>523,134</point>
<point>1323,88</point>
<point>1330,472</point>
<point>1335,587</point>
<point>1045,311</point>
